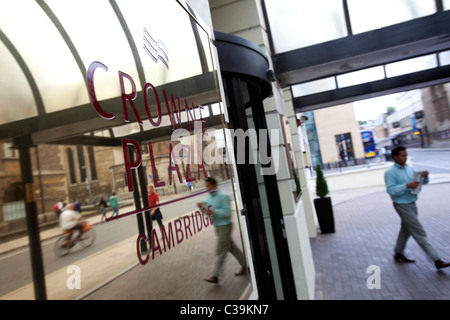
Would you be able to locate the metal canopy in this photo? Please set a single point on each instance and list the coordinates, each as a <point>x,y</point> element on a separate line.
<point>356,52</point>
<point>374,89</point>
<point>424,37</point>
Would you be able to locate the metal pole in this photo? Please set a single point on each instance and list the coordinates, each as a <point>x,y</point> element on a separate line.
<point>37,265</point>
<point>137,203</point>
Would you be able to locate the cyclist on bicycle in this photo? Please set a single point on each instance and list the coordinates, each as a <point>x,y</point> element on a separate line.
<point>70,220</point>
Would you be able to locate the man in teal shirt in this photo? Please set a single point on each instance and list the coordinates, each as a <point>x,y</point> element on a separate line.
<point>400,185</point>
<point>219,210</point>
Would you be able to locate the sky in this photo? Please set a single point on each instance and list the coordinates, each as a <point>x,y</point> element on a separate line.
<point>370,109</point>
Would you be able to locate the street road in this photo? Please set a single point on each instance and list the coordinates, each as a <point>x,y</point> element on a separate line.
<point>435,161</point>
<point>16,268</point>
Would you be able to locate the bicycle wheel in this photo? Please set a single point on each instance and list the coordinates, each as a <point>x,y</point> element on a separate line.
<point>88,238</point>
<point>59,250</point>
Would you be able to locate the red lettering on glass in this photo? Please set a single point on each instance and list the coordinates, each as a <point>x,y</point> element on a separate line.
<point>140,238</point>
<point>156,183</point>
<point>205,217</point>
<point>173,166</point>
<point>128,164</point>
<point>128,97</point>
<point>188,148</point>
<point>200,108</point>
<point>158,104</point>
<point>187,226</point>
<point>173,106</point>
<point>91,90</point>
<point>199,227</point>
<point>155,244</point>
<point>170,240</point>
<point>179,231</point>
<point>193,222</point>
<point>202,165</point>
<point>173,110</point>
<point>167,236</point>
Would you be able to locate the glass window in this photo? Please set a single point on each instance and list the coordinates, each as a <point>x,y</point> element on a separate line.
<point>297,24</point>
<point>57,76</point>
<point>14,90</point>
<point>71,166</point>
<point>366,15</point>
<point>88,156</point>
<point>312,87</point>
<point>444,58</point>
<point>411,65</point>
<point>99,37</point>
<point>361,76</point>
<point>446,4</point>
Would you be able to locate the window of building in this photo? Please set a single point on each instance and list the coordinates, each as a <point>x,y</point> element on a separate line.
<point>446,4</point>
<point>367,15</point>
<point>81,163</point>
<point>345,147</point>
<point>92,163</point>
<point>71,164</point>
<point>9,152</point>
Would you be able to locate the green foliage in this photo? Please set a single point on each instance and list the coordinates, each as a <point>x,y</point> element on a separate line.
<point>321,183</point>
<point>297,183</point>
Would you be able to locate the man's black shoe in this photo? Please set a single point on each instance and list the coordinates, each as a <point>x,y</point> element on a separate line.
<point>402,258</point>
<point>441,264</point>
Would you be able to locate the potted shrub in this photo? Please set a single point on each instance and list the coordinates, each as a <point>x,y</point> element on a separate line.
<point>324,208</point>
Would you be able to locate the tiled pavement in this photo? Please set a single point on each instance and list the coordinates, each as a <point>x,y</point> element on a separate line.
<point>366,231</point>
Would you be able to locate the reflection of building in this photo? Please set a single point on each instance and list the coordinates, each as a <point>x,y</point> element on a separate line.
<point>421,119</point>
<point>404,124</point>
<point>79,172</point>
<point>60,172</point>
<point>436,102</point>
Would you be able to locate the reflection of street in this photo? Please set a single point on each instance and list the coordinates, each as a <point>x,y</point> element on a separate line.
<point>114,252</point>
<point>179,208</point>
<point>435,161</point>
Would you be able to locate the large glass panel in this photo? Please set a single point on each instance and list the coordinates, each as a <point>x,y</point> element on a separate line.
<point>312,87</point>
<point>297,24</point>
<point>366,15</point>
<point>168,132</point>
<point>444,58</point>
<point>446,4</point>
<point>99,37</point>
<point>16,98</point>
<point>411,65</point>
<point>361,76</point>
<point>44,52</point>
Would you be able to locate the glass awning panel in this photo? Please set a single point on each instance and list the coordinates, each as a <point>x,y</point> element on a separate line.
<point>366,15</point>
<point>44,53</point>
<point>446,4</point>
<point>299,24</point>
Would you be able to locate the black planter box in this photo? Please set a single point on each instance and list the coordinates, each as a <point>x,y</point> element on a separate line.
<point>324,211</point>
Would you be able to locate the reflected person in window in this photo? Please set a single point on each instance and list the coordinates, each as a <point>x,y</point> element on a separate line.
<point>218,204</point>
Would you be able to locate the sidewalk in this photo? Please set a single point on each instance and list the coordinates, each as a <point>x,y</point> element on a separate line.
<point>366,228</point>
